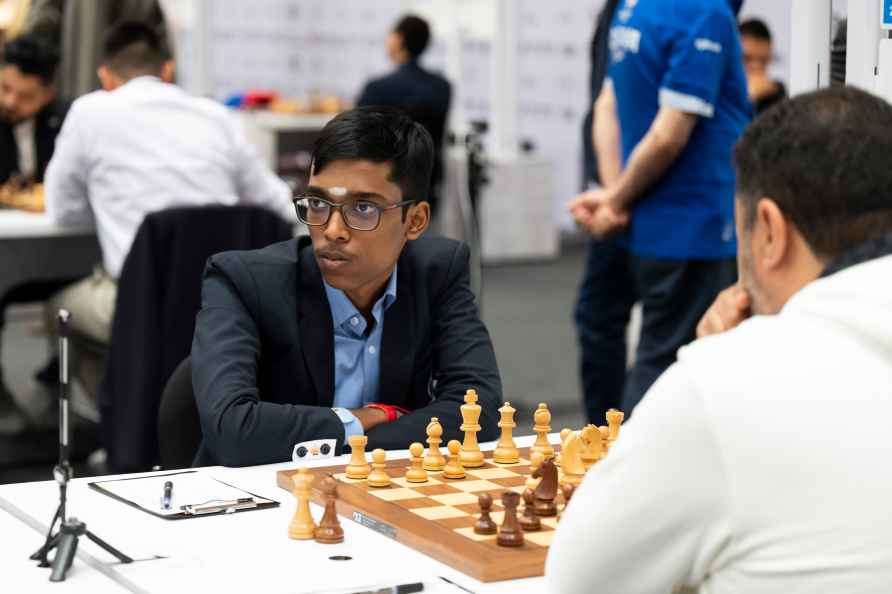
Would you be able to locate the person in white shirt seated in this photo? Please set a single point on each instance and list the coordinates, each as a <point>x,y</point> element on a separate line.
<point>138,146</point>
<point>759,462</point>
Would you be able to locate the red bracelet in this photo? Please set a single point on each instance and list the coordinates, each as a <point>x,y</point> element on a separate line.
<point>390,409</point>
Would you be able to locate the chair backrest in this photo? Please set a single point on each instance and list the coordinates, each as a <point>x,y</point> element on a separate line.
<point>179,429</point>
<point>159,294</point>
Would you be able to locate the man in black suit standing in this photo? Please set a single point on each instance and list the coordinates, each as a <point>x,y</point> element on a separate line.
<point>424,95</point>
<point>365,327</point>
<point>30,112</point>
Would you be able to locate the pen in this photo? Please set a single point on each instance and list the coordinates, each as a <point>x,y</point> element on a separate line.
<point>168,493</point>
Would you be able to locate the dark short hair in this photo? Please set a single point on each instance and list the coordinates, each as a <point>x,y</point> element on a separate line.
<point>33,55</point>
<point>381,135</point>
<point>823,158</point>
<point>755,28</point>
<point>415,32</point>
<point>133,47</point>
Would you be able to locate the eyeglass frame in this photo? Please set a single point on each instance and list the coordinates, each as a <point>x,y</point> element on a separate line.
<point>332,206</point>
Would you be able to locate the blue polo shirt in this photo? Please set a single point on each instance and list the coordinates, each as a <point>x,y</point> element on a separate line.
<point>683,54</point>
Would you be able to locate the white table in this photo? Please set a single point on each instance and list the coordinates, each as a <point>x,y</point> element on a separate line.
<point>243,552</point>
<point>33,249</point>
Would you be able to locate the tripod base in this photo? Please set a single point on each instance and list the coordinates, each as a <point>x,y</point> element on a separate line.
<point>65,543</point>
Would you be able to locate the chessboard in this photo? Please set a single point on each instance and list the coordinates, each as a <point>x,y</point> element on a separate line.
<point>437,517</point>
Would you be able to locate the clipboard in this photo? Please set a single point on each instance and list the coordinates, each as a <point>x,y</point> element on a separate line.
<point>195,494</point>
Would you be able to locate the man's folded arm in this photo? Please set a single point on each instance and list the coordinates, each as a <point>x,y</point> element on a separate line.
<point>462,358</point>
<point>240,429</point>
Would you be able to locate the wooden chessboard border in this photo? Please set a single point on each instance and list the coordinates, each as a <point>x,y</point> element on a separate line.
<point>474,558</point>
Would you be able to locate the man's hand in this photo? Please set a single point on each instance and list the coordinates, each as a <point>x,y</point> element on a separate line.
<point>729,309</point>
<point>370,418</point>
<point>760,86</point>
<point>595,211</point>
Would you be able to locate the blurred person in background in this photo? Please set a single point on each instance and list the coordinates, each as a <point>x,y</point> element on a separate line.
<point>31,112</point>
<point>139,146</point>
<point>77,27</point>
<point>423,94</point>
<point>673,106</point>
<point>31,115</point>
<point>758,53</point>
<point>591,342</point>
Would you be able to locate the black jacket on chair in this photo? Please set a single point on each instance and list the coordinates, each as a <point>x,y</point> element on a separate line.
<point>159,293</point>
<point>47,124</point>
<point>263,354</point>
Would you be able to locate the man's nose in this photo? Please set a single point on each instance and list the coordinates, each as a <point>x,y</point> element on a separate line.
<point>336,229</point>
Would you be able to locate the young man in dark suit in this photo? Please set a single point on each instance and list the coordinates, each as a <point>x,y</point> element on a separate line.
<point>365,327</point>
<point>31,114</point>
<point>423,94</point>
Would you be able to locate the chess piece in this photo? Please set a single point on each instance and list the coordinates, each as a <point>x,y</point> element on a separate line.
<point>506,450</point>
<point>605,435</point>
<point>558,459</point>
<point>358,468</point>
<point>536,460</point>
<point>614,420</point>
<point>454,469</point>
<point>529,521</point>
<point>302,526</point>
<point>434,461</point>
<point>567,489</point>
<point>485,524</point>
<point>470,455</point>
<point>547,489</point>
<point>510,534</point>
<point>329,530</point>
<point>592,450</point>
<point>542,419</point>
<point>378,477</point>
<point>571,454</point>
<point>416,474</point>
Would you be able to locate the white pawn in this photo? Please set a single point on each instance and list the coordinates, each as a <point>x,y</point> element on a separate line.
<point>454,469</point>
<point>416,474</point>
<point>378,477</point>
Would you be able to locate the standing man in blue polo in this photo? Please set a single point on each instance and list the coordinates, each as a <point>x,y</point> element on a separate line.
<point>673,106</point>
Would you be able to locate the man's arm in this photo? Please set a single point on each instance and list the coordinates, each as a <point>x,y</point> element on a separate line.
<point>463,358</point>
<point>650,516</point>
<point>238,427</point>
<point>665,140</point>
<point>606,136</point>
<point>255,182</point>
<point>65,181</point>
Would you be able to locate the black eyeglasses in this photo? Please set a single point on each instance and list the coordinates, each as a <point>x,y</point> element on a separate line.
<point>360,215</point>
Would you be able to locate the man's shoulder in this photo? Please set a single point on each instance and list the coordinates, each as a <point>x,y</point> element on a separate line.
<point>434,253</point>
<point>272,260</point>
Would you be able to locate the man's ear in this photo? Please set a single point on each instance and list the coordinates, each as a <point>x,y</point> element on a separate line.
<point>776,234</point>
<point>107,78</point>
<point>168,71</point>
<point>418,219</point>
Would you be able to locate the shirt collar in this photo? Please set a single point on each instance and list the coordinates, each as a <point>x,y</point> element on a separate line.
<point>343,310</point>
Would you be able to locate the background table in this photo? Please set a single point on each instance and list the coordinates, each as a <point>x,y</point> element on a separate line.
<point>243,552</point>
<point>33,249</point>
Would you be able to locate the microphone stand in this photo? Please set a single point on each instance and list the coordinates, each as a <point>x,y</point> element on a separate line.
<point>70,529</point>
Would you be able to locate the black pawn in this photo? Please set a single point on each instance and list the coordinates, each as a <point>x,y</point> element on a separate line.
<point>485,525</point>
<point>529,521</point>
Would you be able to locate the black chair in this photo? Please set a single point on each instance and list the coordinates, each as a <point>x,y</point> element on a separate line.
<point>159,294</point>
<point>179,429</point>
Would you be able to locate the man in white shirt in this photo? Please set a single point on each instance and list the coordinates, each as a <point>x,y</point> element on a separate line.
<point>139,146</point>
<point>758,462</point>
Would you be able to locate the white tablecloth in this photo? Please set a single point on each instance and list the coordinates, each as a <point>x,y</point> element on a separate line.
<point>243,552</point>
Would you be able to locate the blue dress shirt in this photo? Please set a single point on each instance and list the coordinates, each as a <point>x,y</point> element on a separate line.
<point>357,352</point>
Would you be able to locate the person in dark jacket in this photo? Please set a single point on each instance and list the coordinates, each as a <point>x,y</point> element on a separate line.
<point>31,113</point>
<point>422,94</point>
<point>365,327</point>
